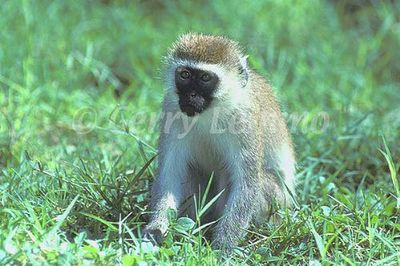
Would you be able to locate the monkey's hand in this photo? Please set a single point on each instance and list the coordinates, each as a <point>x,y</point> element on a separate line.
<point>154,236</point>
<point>224,244</point>
<point>226,235</point>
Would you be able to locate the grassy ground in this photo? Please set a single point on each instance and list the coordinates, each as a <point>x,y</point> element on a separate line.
<point>80,91</point>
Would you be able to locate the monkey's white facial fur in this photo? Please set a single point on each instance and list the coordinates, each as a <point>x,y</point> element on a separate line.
<point>197,86</point>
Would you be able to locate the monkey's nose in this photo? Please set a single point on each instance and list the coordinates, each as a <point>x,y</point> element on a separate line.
<point>192,95</point>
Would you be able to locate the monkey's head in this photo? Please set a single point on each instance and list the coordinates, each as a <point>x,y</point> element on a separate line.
<point>205,71</point>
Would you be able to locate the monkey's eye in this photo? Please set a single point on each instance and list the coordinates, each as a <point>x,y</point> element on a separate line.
<point>185,74</point>
<point>206,77</point>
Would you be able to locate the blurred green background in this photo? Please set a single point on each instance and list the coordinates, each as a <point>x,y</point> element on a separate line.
<point>77,77</point>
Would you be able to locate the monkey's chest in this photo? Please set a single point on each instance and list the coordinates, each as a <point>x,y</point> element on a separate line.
<point>211,154</point>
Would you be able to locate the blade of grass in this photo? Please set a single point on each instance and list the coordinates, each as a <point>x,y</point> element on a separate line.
<point>61,218</point>
<point>392,168</point>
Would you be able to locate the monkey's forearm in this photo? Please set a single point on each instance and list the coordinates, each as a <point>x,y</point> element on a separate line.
<point>167,191</point>
<point>237,217</point>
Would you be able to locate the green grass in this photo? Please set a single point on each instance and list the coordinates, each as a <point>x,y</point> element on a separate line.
<point>80,84</point>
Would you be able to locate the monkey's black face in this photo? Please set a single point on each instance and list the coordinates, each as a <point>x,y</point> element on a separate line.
<point>195,88</point>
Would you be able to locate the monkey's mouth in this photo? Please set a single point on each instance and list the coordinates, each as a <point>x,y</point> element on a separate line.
<point>189,110</point>
<point>192,104</point>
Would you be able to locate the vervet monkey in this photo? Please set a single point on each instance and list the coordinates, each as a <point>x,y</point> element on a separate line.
<point>220,118</point>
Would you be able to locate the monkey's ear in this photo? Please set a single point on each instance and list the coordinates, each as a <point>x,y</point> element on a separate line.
<point>244,70</point>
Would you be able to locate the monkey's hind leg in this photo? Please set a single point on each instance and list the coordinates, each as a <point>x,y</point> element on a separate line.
<point>276,194</point>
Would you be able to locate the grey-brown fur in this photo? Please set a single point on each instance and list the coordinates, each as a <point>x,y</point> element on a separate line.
<point>208,49</point>
<point>253,167</point>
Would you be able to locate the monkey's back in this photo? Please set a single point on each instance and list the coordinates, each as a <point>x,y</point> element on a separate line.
<point>277,158</point>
